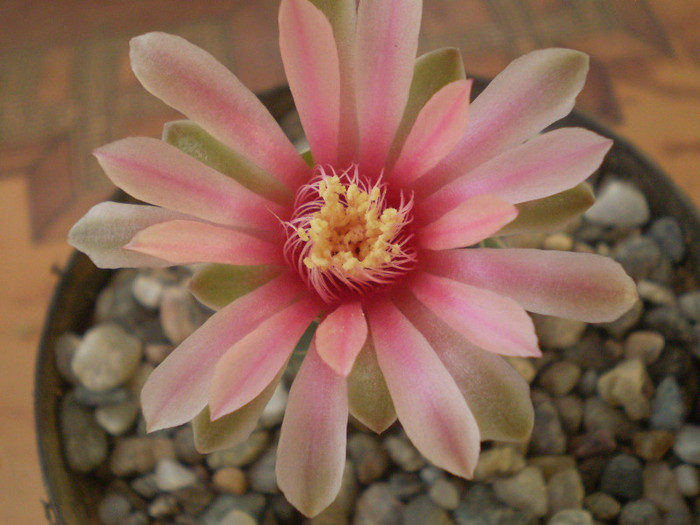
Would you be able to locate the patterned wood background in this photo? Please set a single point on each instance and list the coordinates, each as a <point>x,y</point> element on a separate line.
<point>66,87</point>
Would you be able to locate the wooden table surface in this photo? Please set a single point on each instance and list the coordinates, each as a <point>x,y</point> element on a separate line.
<point>65,88</point>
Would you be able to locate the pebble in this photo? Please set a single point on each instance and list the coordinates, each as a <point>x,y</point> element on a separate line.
<point>655,293</point>
<point>547,434</point>
<point>689,304</point>
<point>652,445</point>
<point>570,410</point>
<point>261,474</point>
<point>273,413</point>
<point>638,255</point>
<point>667,233</point>
<point>523,366</point>
<point>445,494</point>
<point>157,352</point>
<point>565,491</point>
<point>404,485</point>
<point>597,414</point>
<point>571,517</point>
<point>687,480</point>
<point>184,446</point>
<point>84,443</point>
<point>180,315</point>
<point>480,507</point>
<point>137,518</point>
<point>242,454</point>
<point>603,506</point>
<point>525,491</point>
<point>627,385</point>
<point>163,506</point>
<point>145,485</point>
<point>687,444</point>
<point>172,476</point>
<point>147,290</point>
<point>106,358</point>
<point>551,465</point>
<point>593,443</point>
<point>640,512</point>
<point>661,489</point>
<point>117,419</point>
<point>619,203</point>
<point>557,332</point>
<point>238,517</point>
<point>498,461</point>
<point>622,477</point>
<point>195,498</point>
<point>560,378</point>
<point>668,409</point>
<point>377,506</point>
<point>231,480</point>
<point>645,345</point>
<point>558,241</point>
<point>65,348</point>
<point>670,321</point>
<point>403,453</point>
<point>138,455</point>
<point>421,511</point>
<point>623,324</point>
<point>251,504</point>
<point>91,398</point>
<point>114,509</point>
<point>369,457</point>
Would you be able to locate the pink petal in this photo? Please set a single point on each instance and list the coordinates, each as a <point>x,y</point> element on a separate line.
<point>369,399</point>
<point>438,128</point>
<point>108,226</point>
<point>493,322</point>
<point>192,81</point>
<point>386,44</point>
<point>429,405</point>
<point>234,428</point>
<point>177,390</point>
<point>527,96</point>
<point>156,172</point>
<point>548,164</point>
<point>250,364</point>
<point>497,395</point>
<point>311,450</point>
<point>186,242</point>
<point>341,336</point>
<point>581,286</point>
<point>311,64</point>
<point>470,222</point>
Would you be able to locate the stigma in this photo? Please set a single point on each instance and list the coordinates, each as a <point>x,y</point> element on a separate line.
<point>344,239</point>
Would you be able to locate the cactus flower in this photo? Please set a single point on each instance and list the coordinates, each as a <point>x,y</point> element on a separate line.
<point>376,235</point>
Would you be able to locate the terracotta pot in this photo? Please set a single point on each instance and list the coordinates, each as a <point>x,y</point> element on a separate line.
<point>73,497</point>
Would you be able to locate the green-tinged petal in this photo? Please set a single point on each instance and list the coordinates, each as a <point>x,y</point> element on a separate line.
<point>216,285</point>
<point>230,430</point>
<point>432,72</point>
<point>193,140</point>
<point>368,395</point>
<point>551,214</point>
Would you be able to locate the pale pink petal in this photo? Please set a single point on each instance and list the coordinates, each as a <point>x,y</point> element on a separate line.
<point>248,366</point>
<point>108,226</point>
<point>385,46</point>
<point>178,388</point>
<point>470,222</point>
<point>493,322</point>
<point>429,404</point>
<point>234,428</point>
<point>311,63</point>
<point>311,450</point>
<point>186,242</point>
<point>527,96</point>
<point>156,172</point>
<point>548,164</point>
<point>341,336</point>
<point>582,286</point>
<point>192,81</point>
<point>497,395</point>
<point>438,128</point>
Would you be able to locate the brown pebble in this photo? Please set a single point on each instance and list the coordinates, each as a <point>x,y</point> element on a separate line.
<point>652,445</point>
<point>231,480</point>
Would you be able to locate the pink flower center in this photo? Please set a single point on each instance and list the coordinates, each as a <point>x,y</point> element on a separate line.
<point>344,239</point>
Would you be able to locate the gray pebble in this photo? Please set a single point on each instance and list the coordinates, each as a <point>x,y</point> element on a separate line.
<point>90,398</point>
<point>603,506</point>
<point>571,517</point>
<point>117,419</point>
<point>597,414</point>
<point>422,511</point>
<point>252,504</point>
<point>163,506</point>
<point>138,455</point>
<point>184,446</point>
<point>147,290</point>
<point>84,442</point>
<point>64,350</point>
<point>145,485</point>
<point>261,474</point>
<point>238,517</point>
<point>480,507</point>
<point>403,453</point>
<point>172,476</point>
<point>638,255</point>
<point>619,203</point>
<point>565,491</point>
<point>670,322</point>
<point>687,480</point>
<point>114,509</point>
<point>241,455</point>
<point>137,518</point>
<point>640,512</point>
<point>570,410</point>
<point>370,459</point>
<point>404,485</point>
<point>622,477</point>
<point>273,413</point>
<point>445,494</point>
<point>180,315</point>
<point>687,445</point>
<point>661,489</point>
<point>689,304</point>
<point>106,358</point>
<point>377,506</point>
<point>668,409</point>
<point>667,233</point>
<point>547,434</point>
